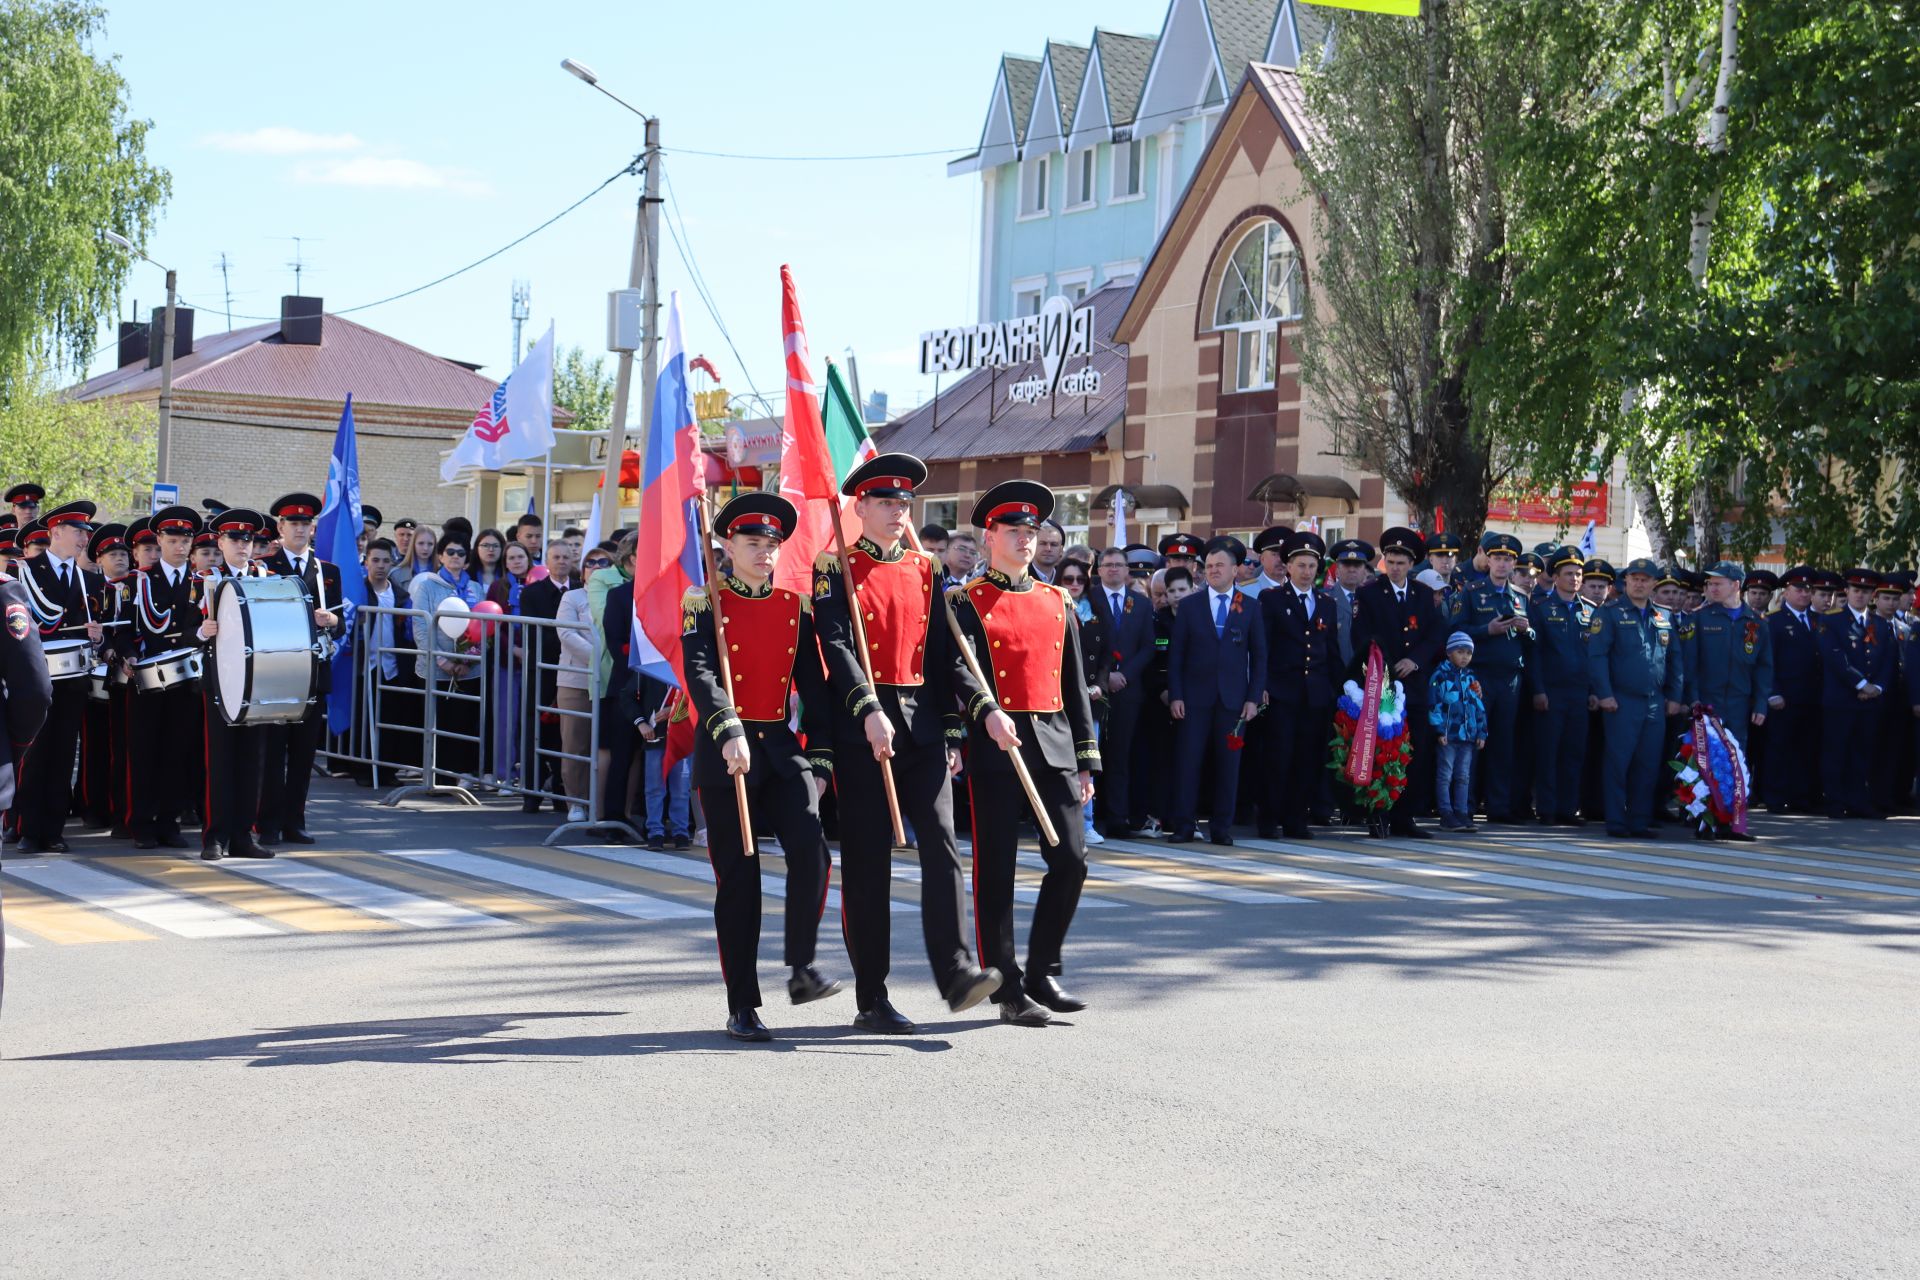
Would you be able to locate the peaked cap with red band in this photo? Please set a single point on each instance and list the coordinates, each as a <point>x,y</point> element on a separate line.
<point>295,506</point>
<point>886,475</point>
<point>767,515</point>
<point>108,537</point>
<point>1016,502</point>
<point>239,520</point>
<point>72,513</point>
<point>181,520</point>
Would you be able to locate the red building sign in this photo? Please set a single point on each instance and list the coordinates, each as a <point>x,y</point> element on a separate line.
<point>1587,500</point>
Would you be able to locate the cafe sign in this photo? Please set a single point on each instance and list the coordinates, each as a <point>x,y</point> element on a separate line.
<point>1058,333</point>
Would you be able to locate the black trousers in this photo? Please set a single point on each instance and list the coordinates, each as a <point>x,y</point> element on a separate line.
<point>1204,730</point>
<point>1559,752</point>
<point>999,804</point>
<point>1792,744</point>
<point>287,773</point>
<point>164,733</point>
<point>1154,768</point>
<point>46,783</point>
<point>1417,800</point>
<point>1300,741</point>
<point>1846,754</point>
<point>788,806</point>
<point>95,801</point>
<point>866,861</point>
<point>1115,800</point>
<point>1501,691</point>
<point>234,755</point>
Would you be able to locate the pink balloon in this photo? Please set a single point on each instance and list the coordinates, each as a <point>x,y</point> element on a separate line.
<point>475,632</point>
<point>485,630</point>
<point>488,606</point>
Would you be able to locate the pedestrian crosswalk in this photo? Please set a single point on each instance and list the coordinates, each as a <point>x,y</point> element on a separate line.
<point>125,898</point>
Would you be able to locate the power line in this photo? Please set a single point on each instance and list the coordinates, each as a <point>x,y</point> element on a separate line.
<point>682,245</point>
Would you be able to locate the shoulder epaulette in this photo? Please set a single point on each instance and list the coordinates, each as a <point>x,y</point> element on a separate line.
<point>694,601</point>
<point>826,562</point>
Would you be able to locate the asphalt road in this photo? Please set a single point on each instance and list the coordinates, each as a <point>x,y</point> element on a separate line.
<point>1348,1086</point>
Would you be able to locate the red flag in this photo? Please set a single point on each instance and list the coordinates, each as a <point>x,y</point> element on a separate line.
<point>679,735</point>
<point>806,466</point>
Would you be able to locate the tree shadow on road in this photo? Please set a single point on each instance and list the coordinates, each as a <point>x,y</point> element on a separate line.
<point>482,1039</point>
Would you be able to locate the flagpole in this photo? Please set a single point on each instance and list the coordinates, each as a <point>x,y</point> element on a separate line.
<point>726,668</point>
<point>866,666</point>
<point>546,500</point>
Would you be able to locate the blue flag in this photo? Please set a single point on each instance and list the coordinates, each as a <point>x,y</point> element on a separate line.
<point>337,539</point>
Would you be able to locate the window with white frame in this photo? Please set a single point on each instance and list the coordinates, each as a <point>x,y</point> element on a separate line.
<point>1074,284</point>
<point>1026,302</point>
<point>1259,290</point>
<point>1081,182</point>
<point>1070,509</point>
<point>1129,166</point>
<point>1033,185</point>
<point>944,512</point>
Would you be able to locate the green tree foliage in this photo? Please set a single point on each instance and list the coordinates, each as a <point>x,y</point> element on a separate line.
<point>71,163</point>
<point>583,388</point>
<point>101,450</point>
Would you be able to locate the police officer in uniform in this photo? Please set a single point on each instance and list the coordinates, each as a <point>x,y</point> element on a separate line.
<point>1183,550</point>
<point>1559,688</point>
<point>1400,616</point>
<point>1443,557</point>
<point>907,716</point>
<point>1731,658</point>
<point>1024,636</point>
<point>1303,680</point>
<point>166,723</point>
<point>1596,584</point>
<point>291,747</point>
<point>234,751</point>
<point>1633,662</point>
<point>743,731</point>
<point>58,591</point>
<point>1858,657</point>
<point>26,694</point>
<point>1793,709</point>
<point>1493,612</point>
<point>1757,592</point>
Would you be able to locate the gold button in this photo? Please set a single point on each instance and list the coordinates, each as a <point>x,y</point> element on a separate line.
<point>1056,673</point>
<point>869,617</point>
<point>1056,644</point>
<point>1003,675</point>
<point>737,677</point>
<point>726,620</point>
<point>917,648</point>
<point>734,648</point>
<point>986,617</point>
<point>996,644</point>
<point>789,648</point>
<point>876,646</point>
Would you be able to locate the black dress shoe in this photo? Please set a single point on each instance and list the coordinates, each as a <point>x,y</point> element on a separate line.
<point>250,849</point>
<point>51,846</point>
<point>1743,837</point>
<point>1047,990</point>
<point>1296,833</point>
<point>532,805</point>
<point>296,835</point>
<point>807,985</point>
<point>971,987</point>
<point>1571,820</point>
<point>29,845</point>
<point>884,1019</point>
<point>268,835</point>
<point>683,842</point>
<point>174,840</point>
<point>146,842</point>
<point>1220,839</point>
<point>745,1024</point>
<point>1410,830</point>
<point>1268,833</point>
<point>656,843</point>
<point>213,852</point>
<point>1181,837</point>
<point>1615,833</point>
<point>1646,833</point>
<point>1023,1012</point>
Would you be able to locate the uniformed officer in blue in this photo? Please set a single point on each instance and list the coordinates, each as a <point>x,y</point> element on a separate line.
<point>1793,702</point>
<point>1443,557</point>
<point>1494,613</point>
<point>1633,662</point>
<point>1857,653</point>
<point>1730,659</point>
<point>1560,688</point>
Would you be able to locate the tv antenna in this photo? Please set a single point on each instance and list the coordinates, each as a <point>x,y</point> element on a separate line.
<point>522,295</point>
<point>299,263</point>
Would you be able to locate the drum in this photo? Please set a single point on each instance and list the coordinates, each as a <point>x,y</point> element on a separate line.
<point>166,670</point>
<point>68,659</point>
<point>263,658</point>
<point>98,679</point>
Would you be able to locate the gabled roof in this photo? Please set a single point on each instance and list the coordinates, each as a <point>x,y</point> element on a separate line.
<point>1241,30</point>
<point>1022,77</point>
<point>1068,63</point>
<point>1264,88</point>
<point>256,362</point>
<point>1124,60</point>
<point>1315,25</point>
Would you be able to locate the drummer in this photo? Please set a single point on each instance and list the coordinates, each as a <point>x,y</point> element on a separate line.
<point>291,747</point>
<point>144,544</point>
<point>233,750</point>
<point>57,594</point>
<point>165,723</point>
<point>103,744</point>
<point>206,552</point>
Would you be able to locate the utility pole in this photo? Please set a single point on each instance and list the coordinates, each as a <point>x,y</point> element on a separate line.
<point>522,295</point>
<point>643,273</point>
<point>226,287</point>
<point>161,439</point>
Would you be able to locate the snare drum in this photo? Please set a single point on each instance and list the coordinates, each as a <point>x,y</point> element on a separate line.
<point>263,658</point>
<point>167,670</point>
<point>98,681</point>
<point>68,659</point>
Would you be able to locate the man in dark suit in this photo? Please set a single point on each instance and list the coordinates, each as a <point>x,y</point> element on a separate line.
<point>57,590</point>
<point>1401,617</point>
<point>1216,672</point>
<point>1859,657</point>
<point>1303,680</point>
<point>290,748</point>
<point>542,600</point>
<point>1352,558</point>
<point>1127,618</point>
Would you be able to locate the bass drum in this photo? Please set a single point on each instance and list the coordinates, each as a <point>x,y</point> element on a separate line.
<point>263,658</point>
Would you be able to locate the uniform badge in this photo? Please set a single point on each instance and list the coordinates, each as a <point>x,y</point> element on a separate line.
<point>822,586</point>
<point>18,624</point>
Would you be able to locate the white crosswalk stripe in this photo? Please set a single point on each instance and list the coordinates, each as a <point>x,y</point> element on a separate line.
<point>1755,873</point>
<point>772,884</point>
<point>363,895</point>
<point>1170,883</point>
<point>171,912</point>
<point>1270,872</point>
<point>908,872</point>
<point>1405,867</point>
<point>590,893</point>
<point>16,942</point>
<point>1482,854</point>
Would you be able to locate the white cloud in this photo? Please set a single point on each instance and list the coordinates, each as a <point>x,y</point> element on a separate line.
<point>278,140</point>
<point>392,173</point>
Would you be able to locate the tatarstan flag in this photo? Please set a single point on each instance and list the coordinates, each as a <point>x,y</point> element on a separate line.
<point>847,440</point>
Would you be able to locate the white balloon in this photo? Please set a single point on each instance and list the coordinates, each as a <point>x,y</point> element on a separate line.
<point>452,627</point>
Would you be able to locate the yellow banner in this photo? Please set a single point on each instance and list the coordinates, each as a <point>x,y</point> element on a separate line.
<point>1399,8</point>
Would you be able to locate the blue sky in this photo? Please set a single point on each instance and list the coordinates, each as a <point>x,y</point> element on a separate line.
<point>404,139</point>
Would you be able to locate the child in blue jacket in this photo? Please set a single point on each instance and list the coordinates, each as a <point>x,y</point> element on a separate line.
<point>1459,713</point>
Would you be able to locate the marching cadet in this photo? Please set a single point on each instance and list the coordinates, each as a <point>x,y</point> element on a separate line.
<point>1559,687</point>
<point>1494,613</point>
<point>1401,617</point>
<point>1634,666</point>
<point>58,591</point>
<point>1024,637</point>
<point>1793,704</point>
<point>292,747</point>
<point>906,716</point>
<point>234,751</point>
<point>26,692</point>
<point>101,801</point>
<point>143,544</point>
<point>1730,657</point>
<point>1858,658</point>
<point>166,724</point>
<point>1302,626</point>
<point>771,651</point>
<point>206,552</point>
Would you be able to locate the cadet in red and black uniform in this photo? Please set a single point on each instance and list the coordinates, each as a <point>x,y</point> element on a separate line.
<point>1022,632</point>
<point>743,729</point>
<point>165,724</point>
<point>58,590</point>
<point>908,716</point>
<point>234,752</point>
<point>291,747</point>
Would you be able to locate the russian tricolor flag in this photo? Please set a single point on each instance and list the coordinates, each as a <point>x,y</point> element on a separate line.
<point>672,479</point>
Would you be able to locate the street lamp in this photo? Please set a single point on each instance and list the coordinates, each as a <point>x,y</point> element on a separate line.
<point>642,271</point>
<point>166,356</point>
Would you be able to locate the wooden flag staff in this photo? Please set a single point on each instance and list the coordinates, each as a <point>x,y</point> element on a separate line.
<point>726,668</point>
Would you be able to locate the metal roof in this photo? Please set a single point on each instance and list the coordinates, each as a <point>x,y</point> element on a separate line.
<point>973,418</point>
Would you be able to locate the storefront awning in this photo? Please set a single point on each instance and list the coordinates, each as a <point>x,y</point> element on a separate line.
<point>1297,489</point>
<point>1159,496</point>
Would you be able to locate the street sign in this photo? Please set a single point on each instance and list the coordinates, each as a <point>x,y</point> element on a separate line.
<point>165,495</point>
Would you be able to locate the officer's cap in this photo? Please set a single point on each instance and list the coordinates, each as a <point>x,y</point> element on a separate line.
<point>184,520</point>
<point>1235,549</point>
<point>1729,570</point>
<point>886,475</point>
<point>1404,541</point>
<point>34,534</point>
<point>1762,579</point>
<point>108,537</point>
<point>1015,502</point>
<point>239,521</point>
<point>1858,577</point>
<point>1646,566</point>
<point>71,513</point>
<point>1351,551</point>
<point>1828,580</point>
<point>1672,575</point>
<point>1597,568</point>
<point>1801,575</point>
<point>1902,579</point>
<point>766,514</point>
<point>1270,538</point>
<point>1142,558</point>
<point>295,506</point>
<point>1533,560</point>
<point>1182,544</point>
<point>370,515</point>
<point>140,532</point>
<point>1500,544</point>
<point>1444,543</point>
<point>1304,542</point>
<point>27,492</point>
<point>398,525</point>
<point>1560,557</point>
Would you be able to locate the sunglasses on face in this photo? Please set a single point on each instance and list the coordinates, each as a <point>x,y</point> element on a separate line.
<point>599,562</point>
<point>1072,580</point>
<point>455,551</point>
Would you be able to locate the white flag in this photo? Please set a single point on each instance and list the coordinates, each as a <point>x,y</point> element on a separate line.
<point>593,524</point>
<point>1119,517</point>
<point>517,420</point>
<point>1589,545</point>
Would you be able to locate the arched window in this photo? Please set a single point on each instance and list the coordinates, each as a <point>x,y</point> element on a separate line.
<point>1258,291</point>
